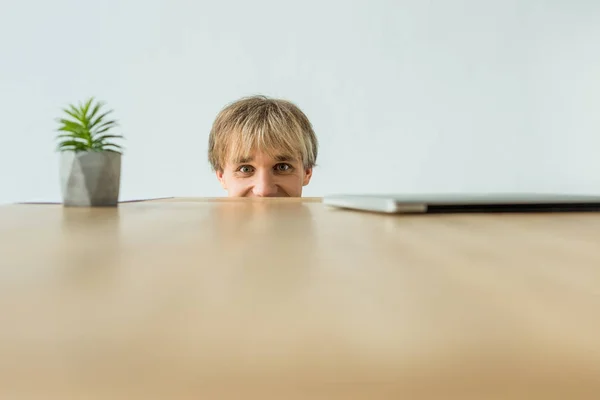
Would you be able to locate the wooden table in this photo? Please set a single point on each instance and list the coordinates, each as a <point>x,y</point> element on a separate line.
<point>287,299</point>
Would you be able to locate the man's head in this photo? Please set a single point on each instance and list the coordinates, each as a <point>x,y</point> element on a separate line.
<point>262,147</point>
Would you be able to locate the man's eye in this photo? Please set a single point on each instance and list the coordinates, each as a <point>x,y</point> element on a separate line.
<point>245,169</point>
<point>283,167</point>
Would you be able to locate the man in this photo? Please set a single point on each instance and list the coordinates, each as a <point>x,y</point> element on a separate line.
<point>262,147</point>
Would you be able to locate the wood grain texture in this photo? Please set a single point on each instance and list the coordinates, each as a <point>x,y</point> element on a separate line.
<point>290,299</point>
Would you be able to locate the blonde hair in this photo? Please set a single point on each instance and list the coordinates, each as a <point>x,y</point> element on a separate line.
<point>277,127</point>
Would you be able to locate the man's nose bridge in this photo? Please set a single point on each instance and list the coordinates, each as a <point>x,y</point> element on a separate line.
<point>264,183</point>
<point>265,177</point>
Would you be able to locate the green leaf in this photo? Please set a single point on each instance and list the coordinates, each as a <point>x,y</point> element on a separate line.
<point>101,118</point>
<point>85,110</point>
<point>89,127</point>
<point>112,144</point>
<point>71,113</point>
<point>71,124</point>
<point>74,131</point>
<point>105,127</point>
<point>76,113</point>
<point>72,145</point>
<point>98,106</point>
<point>98,132</point>
<point>108,146</point>
<point>72,137</point>
<point>104,137</point>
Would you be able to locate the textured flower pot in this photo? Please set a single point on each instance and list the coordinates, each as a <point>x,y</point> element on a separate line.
<point>90,179</point>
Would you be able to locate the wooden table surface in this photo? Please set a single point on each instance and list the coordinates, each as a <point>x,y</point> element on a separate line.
<point>288,299</point>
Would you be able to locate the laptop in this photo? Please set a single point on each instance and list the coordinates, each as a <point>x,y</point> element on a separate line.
<point>453,203</point>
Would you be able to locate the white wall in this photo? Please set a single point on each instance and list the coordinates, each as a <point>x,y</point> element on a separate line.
<point>405,95</point>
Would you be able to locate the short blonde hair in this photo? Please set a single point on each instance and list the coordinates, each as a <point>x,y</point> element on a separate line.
<point>277,127</point>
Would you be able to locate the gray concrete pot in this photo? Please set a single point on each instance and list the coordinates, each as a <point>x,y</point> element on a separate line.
<point>90,179</point>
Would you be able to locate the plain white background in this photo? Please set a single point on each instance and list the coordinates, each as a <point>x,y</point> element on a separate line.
<point>405,95</point>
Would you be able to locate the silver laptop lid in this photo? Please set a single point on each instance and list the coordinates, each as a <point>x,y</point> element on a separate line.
<point>484,202</point>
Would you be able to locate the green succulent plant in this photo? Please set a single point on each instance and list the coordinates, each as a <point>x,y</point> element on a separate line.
<point>86,128</point>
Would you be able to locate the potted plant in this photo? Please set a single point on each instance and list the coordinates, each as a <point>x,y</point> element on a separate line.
<point>90,162</point>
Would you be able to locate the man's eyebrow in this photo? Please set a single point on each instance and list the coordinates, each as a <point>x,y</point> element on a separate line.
<point>279,158</point>
<point>243,160</point>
